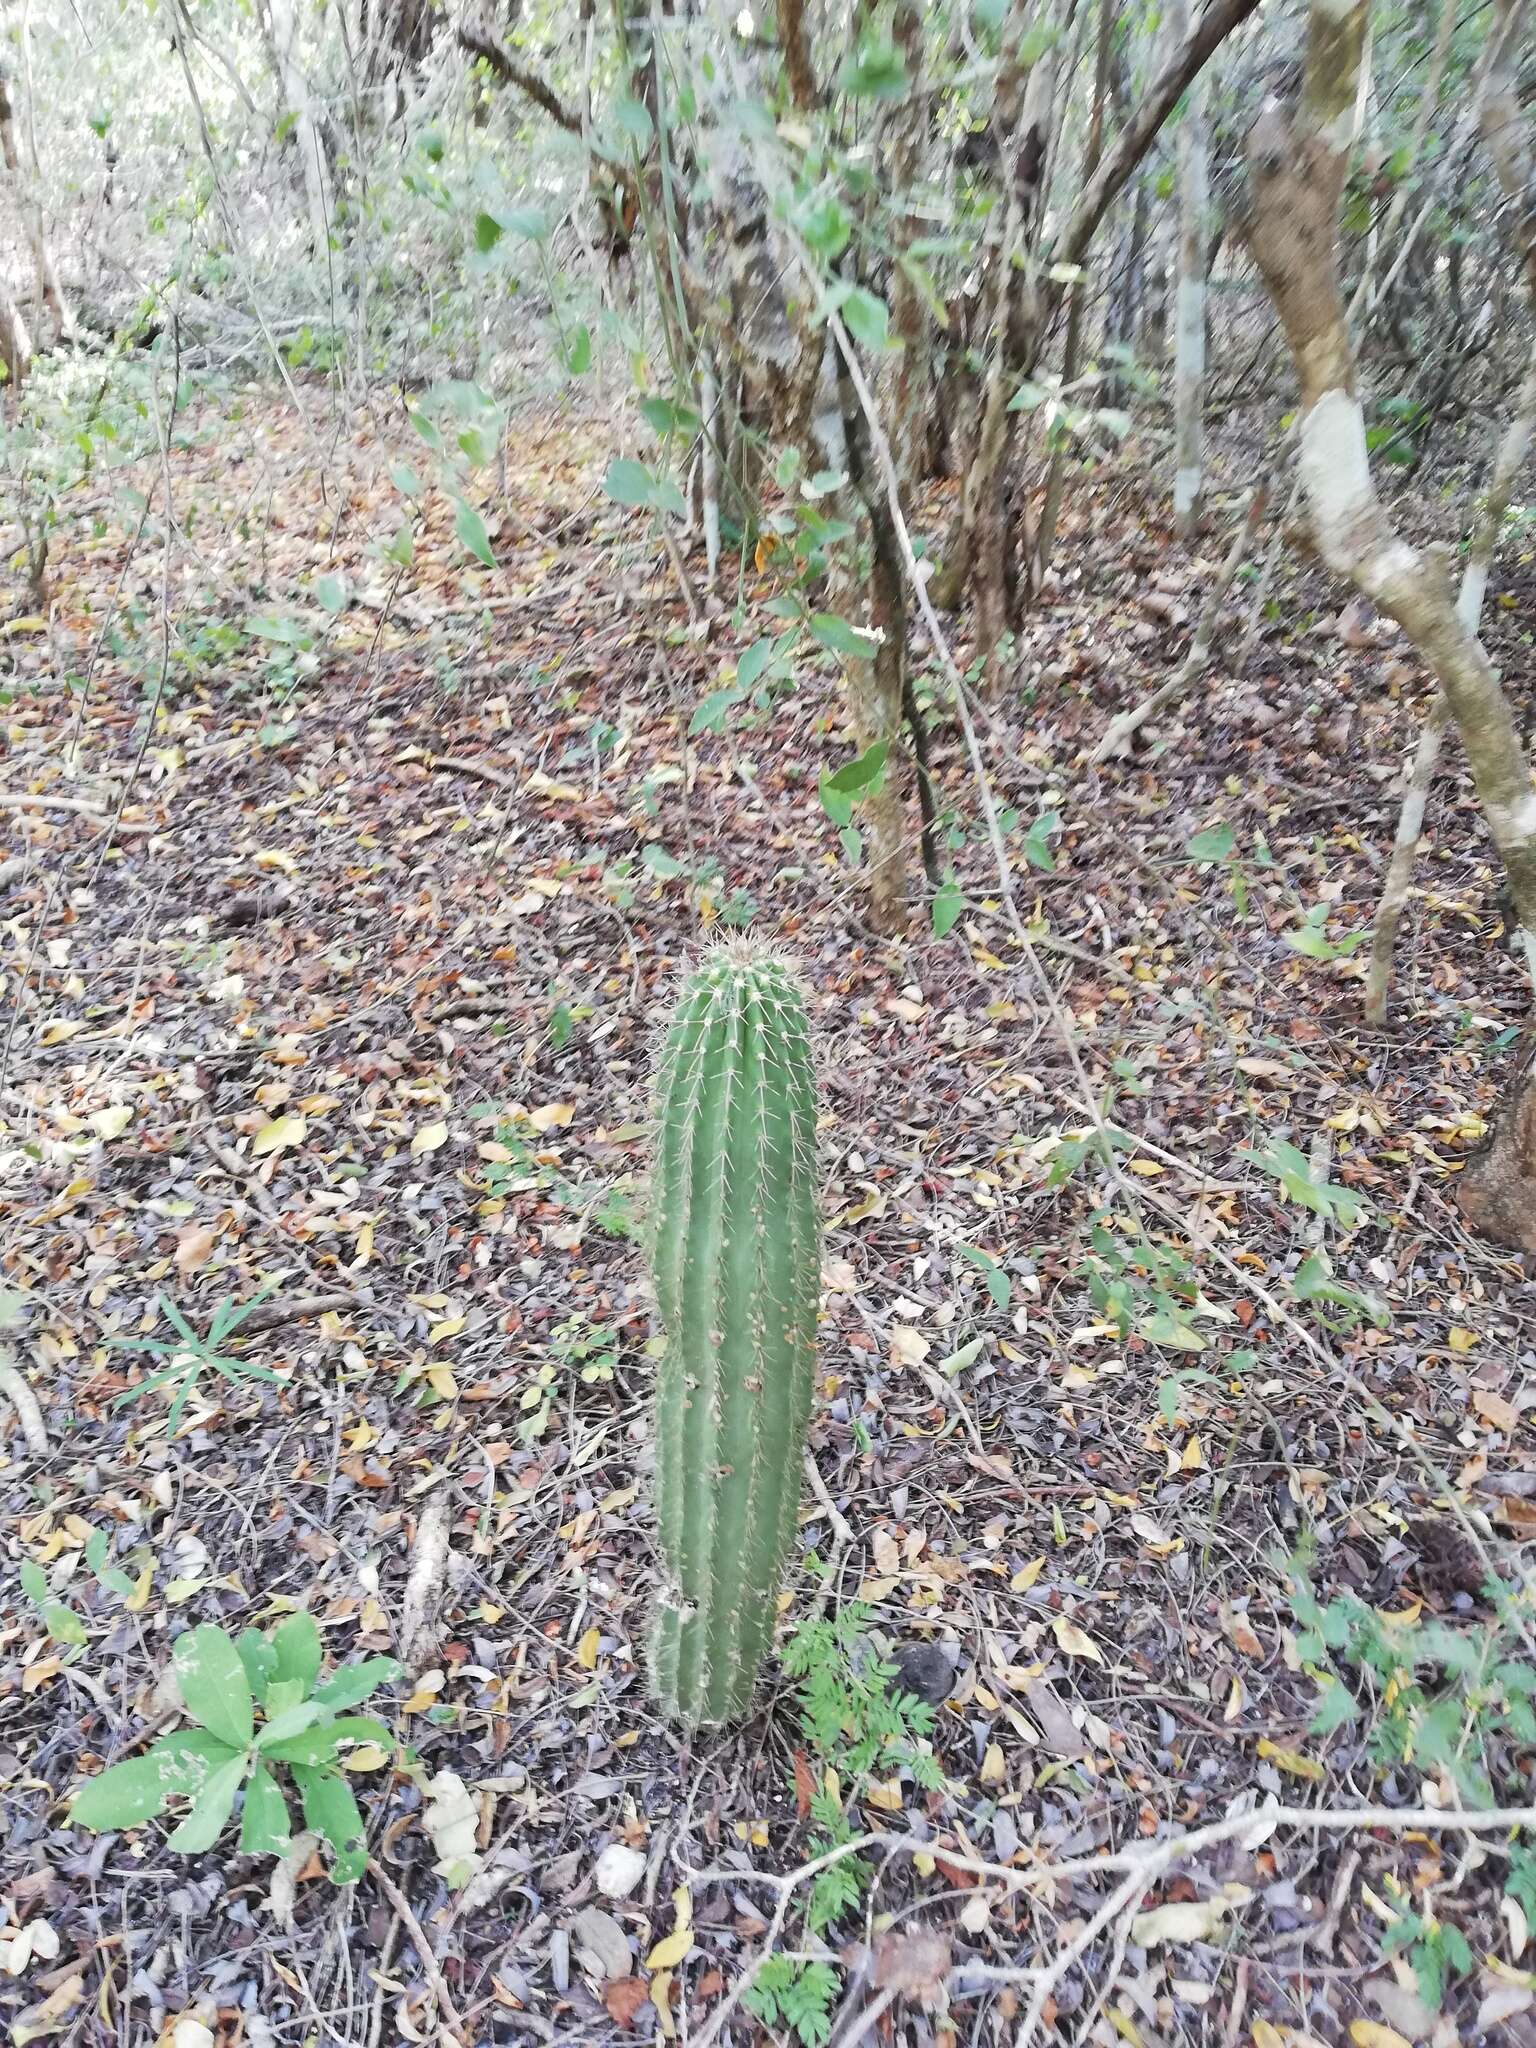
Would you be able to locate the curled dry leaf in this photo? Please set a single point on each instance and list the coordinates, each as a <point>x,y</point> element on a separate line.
<point>452,1819</point>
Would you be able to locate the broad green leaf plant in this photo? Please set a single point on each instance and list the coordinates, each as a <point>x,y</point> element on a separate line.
<point>301,1726</point>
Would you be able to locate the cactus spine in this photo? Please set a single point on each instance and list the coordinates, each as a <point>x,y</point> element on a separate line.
<point>736,1260</point>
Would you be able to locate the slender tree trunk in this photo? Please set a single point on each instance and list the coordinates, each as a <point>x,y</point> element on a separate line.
<point>52,304</point>
<point>1189,325</point>
<point>1498,118</point>
<point>308,140</point>
<point>1072,348</point>
<point>1297,158</point>
<point>906,382</point>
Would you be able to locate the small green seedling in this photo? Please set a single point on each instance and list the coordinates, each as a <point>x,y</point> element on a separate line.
<point>194,1354</point>
<point>302,1725</point>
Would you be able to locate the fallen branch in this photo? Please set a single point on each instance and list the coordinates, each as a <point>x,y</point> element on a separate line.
<point>1140,1868</point>
<point>21,1397</point>
<point>273,1314</point>
<point>424,1587</point>
<point>476,1006</point>
<point>31,800</point>
<point>445,764</point>
<point>429,1963</point>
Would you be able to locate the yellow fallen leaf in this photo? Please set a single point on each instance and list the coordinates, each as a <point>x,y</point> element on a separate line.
<point>429,1139</point>
<point>113,1121</point>
<point>364,1250</point>
<point>273,1137</point>
<point>1192,1457</point>
<point>1372,2034</point>
<point>275,857</point>
<point>1462,1340</point>
<point>366,1757</point>
<point>884,1798</point>
<point>682,1906</point>
<point>586,1649</point>
<point>1026,1575</point>
<point>138,1599</point>
<point>1190,1920</point>
<point>62,1028</point>
<point>554,1116</point>
<point>1291,1761</point>
<point>661,1998</point>
<point>442,1382</point>
<point>450,1326</point>
<point>670,1950</point>
<point>1070,1638</point>
<point>1149,1169</point>
<point>993,1768</point>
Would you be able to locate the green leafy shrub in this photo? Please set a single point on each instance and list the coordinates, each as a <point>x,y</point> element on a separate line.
<point>302,1725</point>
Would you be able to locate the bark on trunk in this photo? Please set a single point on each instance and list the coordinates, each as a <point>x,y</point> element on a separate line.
<point>310,144</point>
<point>52,304</point>
<point>1189,320</point>
<point>1497,1189</point>
<point>1297,157</point>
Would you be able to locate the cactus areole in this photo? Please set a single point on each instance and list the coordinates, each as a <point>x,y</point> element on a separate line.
<point>736,1259</point>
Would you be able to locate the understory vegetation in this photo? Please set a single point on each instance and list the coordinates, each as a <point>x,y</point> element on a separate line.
<point>767,1094</point>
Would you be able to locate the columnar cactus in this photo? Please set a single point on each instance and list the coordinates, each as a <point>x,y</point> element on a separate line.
<point>736,1259</point>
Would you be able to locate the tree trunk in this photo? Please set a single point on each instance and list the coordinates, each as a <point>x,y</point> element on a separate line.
<point>1497,1189</point>
<point>315,166</point>
<point>52,304</point>
<point>1297,158</point>
<point>1189,328</point>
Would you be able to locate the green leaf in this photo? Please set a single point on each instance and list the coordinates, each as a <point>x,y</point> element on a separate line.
<point>711,713</point>
<point>576,352</point>
<point>948,907</point>
<point>839,637</point>
<point>661,863</point>
<point>402,547</point>
<point>1214,843</point>
<point>487,232</point>
<point>867,320</point>
<point>213,1685</point>
<point>256,1653</point>
<point>135,1791</point>
<point>754,662</point>
<point>290,1722</point>
<point>824,225</point>
<point>210,1809</point>
<point>629,482</point>
<point>296,1649</point>
<point>356,1682</point>
<point>98,1557</point>
<point>312,1748</point>
<point>860,776</point>
<point>526,221</point>
<point>332,594</point>
<point>331,1810</point>
<point>1037,842</point>
<point>875,72</point>
<point>469,530</point>
<point>633,118</point>
<point>670,416</point>
<point>264,1823</point>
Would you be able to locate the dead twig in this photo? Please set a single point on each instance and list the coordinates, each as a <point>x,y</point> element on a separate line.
<point>429,1963</point>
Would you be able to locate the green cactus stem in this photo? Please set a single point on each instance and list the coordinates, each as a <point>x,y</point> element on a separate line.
<point>736,1260</point>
